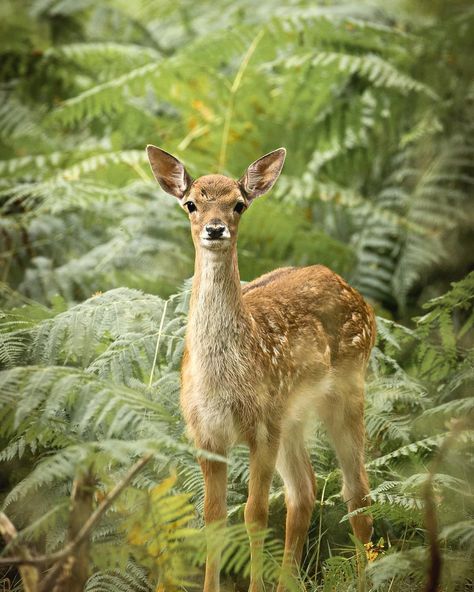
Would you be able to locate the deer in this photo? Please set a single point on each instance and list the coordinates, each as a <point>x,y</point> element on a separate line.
<point>262,361</point>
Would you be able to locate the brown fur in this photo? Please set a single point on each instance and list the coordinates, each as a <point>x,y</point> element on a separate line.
<point>260,361</point>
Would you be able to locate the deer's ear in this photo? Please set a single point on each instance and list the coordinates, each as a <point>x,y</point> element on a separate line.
<point>168,171</point>
<point>262,174</point>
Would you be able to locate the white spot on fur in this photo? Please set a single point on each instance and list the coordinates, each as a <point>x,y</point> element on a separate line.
<point>327,355</point>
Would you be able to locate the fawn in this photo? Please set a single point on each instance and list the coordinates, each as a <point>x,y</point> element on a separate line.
<point>260,359</point>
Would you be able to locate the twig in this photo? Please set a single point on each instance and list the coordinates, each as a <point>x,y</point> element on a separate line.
<point>320,523</point>
<point>431,520</point>
<point>51,577</point>
<point>82,504</point>
<point>233,92</point>
<point>158,339</point>
<point>29,574</point>
<point>431,524</point>
<point>88,526</point>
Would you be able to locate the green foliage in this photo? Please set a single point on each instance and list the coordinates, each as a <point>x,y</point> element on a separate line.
<point>375,154</point>
<point>374,105</point>
<point>98,387</point>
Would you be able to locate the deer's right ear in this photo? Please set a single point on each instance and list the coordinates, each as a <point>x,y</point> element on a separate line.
<point>168,171</point>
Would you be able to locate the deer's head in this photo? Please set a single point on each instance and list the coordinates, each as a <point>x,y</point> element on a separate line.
<point>215,203</point>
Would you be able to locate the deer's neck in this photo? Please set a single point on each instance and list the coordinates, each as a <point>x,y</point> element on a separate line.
<point>217,319</point>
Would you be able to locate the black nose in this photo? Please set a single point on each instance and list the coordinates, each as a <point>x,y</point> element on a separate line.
<point>215,230</point>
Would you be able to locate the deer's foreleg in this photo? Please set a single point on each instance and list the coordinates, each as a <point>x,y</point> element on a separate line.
<point>262,466</point>
<point>215,510</point>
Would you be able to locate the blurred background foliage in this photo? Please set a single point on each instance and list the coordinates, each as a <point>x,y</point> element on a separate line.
<point>374,103</point>
<point>374,107</point>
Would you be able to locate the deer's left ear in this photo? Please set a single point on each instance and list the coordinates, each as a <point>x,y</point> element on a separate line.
<point>168,171</point>
<point>262,174</point>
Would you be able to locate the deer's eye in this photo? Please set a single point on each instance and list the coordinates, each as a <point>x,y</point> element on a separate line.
<point>239,207</point>
<point>190,206</point>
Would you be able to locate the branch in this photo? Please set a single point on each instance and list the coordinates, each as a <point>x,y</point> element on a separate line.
<point>88,526</point>
<point>233,91</point>
<point>431,520</point>
<point>29,574</point>
<point>82,505</point>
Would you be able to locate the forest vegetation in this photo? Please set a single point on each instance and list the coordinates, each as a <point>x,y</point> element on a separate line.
<point>374,102</point>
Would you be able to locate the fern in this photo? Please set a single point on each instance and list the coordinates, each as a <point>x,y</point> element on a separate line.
<point>78,332</point>
<point>346,48</point>
<point>379,72</point>
<point>375,113</point>
<point>107,58</point>
<point>132,579</point>
<point>460,531</point>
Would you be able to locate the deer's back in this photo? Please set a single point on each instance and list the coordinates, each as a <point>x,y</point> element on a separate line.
<point>306,304</point>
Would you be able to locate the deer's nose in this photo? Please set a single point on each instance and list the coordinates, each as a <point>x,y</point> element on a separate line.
<point>215,230</point>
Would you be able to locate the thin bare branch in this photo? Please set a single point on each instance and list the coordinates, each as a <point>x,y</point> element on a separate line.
<point>431,519</point>
<point>88,526</point>
<point>29,574</point>
<point>82,504</point>
<point>233,91</point>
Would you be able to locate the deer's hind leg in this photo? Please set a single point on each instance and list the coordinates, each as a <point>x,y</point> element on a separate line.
<point>343,417</point>
<point>294,466</point>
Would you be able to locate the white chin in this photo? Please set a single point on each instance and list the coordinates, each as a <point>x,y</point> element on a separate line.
<point>215,245</point>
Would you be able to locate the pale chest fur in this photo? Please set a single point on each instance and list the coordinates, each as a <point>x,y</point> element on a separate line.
<point>217,372</point>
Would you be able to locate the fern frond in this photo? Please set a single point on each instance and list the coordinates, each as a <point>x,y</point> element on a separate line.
<point>107,58</point>
<point>132,579</point>
<point>419,447</point>
<point>107,97</point>
<point>463,532</point>
<point>455,408</point>
<point>12,347</point>
<point>76,334</point>
<point>17,120</point>
<point>96,408</point>
<point>377,70</point>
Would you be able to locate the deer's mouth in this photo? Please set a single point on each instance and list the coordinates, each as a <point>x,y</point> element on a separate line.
<point>215,243</point>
